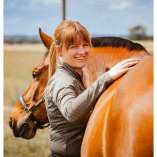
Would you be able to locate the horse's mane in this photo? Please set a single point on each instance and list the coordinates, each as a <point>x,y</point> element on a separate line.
<point>116,42</point>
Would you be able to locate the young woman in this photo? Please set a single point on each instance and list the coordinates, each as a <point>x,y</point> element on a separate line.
<point>69,104</point>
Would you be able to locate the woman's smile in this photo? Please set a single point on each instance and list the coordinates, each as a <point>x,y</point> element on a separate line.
<point>80,58</point>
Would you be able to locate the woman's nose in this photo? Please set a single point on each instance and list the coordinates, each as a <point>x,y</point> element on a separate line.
<point>81,50</point>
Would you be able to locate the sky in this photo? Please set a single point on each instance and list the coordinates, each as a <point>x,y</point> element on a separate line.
<point>100,17</point>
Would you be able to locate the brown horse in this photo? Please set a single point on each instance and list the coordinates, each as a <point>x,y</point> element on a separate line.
<point>122,121</point>
<point>123,116</point>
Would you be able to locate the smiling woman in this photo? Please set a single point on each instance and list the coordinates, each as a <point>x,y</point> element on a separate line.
<point>69,104</point>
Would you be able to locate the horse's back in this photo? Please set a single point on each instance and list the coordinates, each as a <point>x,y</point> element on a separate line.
<point>129,127</point>
<point>122,121</point>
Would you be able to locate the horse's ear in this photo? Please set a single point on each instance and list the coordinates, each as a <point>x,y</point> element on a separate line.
<point>47,41</point>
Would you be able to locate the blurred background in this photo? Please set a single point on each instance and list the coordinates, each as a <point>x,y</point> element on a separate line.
<point>23,50</point>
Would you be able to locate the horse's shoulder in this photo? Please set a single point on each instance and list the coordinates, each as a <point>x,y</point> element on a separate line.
<point>134,90</point>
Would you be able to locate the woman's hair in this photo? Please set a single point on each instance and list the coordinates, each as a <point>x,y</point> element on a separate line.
<point>67,34</point>
<point>70,32</point>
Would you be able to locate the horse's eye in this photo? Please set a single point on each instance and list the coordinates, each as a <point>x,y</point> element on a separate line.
<point>35,75</point>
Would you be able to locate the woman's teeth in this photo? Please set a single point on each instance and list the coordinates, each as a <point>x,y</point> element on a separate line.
<point>80,58</point>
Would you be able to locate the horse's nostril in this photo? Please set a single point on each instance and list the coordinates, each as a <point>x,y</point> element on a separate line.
<point>10,122</point>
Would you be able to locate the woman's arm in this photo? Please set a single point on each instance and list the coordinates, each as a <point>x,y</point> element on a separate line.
<point>73,107</point>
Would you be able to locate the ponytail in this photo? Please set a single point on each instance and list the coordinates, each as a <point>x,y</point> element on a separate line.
<point>53,59</point>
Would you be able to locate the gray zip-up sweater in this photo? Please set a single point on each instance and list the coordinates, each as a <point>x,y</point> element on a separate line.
<point>69,105</point>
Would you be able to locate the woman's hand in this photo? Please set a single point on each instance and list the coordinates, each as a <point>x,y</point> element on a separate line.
<point>122,67</point>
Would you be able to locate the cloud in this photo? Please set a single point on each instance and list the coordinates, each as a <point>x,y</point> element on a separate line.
<point>120,4</point>
<point>8,5</point>
<point>12,21</point>
<point>91,2</point>
<point>29,4</point>
<point>45,2</point>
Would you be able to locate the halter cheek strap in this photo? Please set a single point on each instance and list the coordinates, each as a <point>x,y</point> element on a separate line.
<point>29,112</point>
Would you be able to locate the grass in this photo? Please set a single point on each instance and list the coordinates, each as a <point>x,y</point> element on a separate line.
<point>18,68</point>
<point>148,44</point>
<point>17,77</point>
<point>18,147</point>
<point>19,61</point>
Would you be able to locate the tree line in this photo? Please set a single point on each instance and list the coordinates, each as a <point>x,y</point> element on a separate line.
<point>135,33</point>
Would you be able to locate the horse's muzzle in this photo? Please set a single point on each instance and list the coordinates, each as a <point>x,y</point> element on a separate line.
<point>10,122</point>
<point>23,130</point>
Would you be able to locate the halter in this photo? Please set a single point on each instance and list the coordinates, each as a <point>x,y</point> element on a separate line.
<point>29,111</point>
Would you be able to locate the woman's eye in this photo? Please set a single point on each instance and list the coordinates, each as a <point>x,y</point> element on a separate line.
<point>86,45</point>
<point>35,75</point>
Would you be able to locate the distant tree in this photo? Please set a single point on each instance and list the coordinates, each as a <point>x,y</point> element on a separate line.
<point>137,33</point>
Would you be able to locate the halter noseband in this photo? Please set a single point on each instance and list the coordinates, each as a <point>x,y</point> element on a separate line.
<point>29,112</point>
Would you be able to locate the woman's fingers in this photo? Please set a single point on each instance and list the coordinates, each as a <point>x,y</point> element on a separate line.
<point>122,67</point>
<point>126,70</point>
<point>129,60</point>
<point>128,64</point>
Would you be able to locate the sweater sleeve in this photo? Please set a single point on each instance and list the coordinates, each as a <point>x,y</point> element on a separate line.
<point>75,107</point>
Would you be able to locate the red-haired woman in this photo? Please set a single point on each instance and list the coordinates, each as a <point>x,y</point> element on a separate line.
<point>69,104</point>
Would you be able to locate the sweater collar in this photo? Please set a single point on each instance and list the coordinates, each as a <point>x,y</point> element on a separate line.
<point>70,70</point>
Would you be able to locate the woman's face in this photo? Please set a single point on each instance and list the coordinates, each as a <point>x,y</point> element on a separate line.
<point>76,55</point>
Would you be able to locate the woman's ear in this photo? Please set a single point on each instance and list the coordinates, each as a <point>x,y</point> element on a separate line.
<point>58,50</point>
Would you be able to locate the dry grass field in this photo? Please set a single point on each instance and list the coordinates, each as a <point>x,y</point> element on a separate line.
<point>19,60</point>
<point>148,44</point>
<point>18,64</point>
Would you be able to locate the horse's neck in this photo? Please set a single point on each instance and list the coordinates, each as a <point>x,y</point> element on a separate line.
<point>101,60</point>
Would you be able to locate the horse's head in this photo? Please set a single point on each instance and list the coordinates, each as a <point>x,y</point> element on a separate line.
<point>30,112</point>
